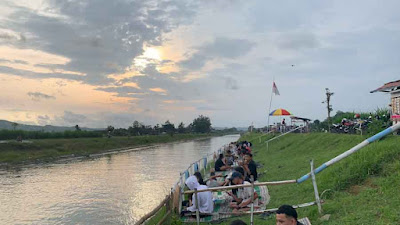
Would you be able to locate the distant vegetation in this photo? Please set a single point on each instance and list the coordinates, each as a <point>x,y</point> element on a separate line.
<point>14,134</point>
<point>51,149</point>
<point>377,121</point>
<point>200,125</point>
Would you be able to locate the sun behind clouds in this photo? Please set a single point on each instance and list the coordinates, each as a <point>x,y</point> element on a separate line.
<point>150,55</point>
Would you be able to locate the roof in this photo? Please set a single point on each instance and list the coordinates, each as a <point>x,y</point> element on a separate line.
<point>388,87</point>
<point>299,118</point>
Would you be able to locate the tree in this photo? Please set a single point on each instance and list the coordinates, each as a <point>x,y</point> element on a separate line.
<point>14,125</point>
<point>181,128</point>
<point>157,129</point>
<point>202,124</point>
<point>136,127</point>
<point>110,129</point>
<point>77,128</point>
<point>169,128</point>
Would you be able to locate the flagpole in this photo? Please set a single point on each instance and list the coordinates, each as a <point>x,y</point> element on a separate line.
<point>270,102</point>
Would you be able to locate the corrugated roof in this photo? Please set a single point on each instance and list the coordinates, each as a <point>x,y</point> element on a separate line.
<point>388,87</point>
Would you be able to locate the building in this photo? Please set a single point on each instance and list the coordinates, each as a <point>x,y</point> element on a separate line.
<point>394,89</point>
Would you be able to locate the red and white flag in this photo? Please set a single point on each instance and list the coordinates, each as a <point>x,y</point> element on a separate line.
<point>275,89</point>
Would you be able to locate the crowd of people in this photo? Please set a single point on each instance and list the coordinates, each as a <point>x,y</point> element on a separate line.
<point>237,162</point>
<point>234,166</point>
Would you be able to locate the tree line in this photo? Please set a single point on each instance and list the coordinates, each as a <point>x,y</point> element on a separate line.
<point>201,124</point>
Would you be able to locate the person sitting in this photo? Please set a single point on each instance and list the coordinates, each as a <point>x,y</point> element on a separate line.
<point>242,201</point>
<point>229,158</point>
<point>228,178</point>
<point>220,164</point>
<point>286,215</point>
<point>212,181</point>
<point>205,202</point>
<point>250,166</point>
<point>199,178</point>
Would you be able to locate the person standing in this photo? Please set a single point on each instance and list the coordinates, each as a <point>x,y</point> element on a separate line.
<point>283,125</point>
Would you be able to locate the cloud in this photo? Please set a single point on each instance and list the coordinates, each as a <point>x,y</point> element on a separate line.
<point>122,91</point>
<point>231,83</point>
<point>215,50</point>
<point>43,120</point>
<point>298,40</point>
<point>37,96</point>
<point>99,37</point>
<point>73,118</point>
<point>220,47</point>
<point>158,90</point>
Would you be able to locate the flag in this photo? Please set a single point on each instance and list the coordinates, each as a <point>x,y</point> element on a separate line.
<point>275,89</point>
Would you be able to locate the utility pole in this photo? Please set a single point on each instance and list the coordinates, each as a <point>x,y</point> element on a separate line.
<point>328,106</point>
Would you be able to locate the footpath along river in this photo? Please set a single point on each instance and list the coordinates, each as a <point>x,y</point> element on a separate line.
<point>112,189</point>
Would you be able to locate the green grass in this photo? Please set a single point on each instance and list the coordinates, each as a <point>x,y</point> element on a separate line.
<point>50,149</point>
<point>363,188</point>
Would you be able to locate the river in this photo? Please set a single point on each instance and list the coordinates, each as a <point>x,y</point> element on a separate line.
<point>113,189</point>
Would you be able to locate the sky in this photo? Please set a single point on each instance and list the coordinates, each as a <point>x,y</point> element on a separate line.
<point>100,62</point>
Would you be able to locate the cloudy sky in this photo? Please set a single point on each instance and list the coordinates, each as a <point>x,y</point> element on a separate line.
<point>101,62</point>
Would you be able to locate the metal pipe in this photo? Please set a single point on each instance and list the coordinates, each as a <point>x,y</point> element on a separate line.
<point>197,206</point>
<point>223,188</point>
<point>290,131</point>
<point>252,201</point>
<point>314,182</point>
<point>352,150</point>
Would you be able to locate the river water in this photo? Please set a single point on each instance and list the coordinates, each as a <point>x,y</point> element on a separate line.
<point>113,189</point>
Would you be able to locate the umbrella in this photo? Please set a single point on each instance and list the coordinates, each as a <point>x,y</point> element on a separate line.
<point>280,112</point>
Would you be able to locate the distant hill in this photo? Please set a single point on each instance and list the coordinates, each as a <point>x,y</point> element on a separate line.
<point>7,125</point>
<point>238,128</point>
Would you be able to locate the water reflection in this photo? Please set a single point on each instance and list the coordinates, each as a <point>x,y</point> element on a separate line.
<point>114,189</point>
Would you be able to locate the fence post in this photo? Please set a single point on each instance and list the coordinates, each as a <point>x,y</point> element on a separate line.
<point>180,193</point>
<point>205,166</point>
<point>252,201</point>
<point>197,206</point>
<point>315,187</point>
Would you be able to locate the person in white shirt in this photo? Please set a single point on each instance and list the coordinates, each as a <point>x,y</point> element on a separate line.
<point>206,204</point>
<point>243,199</point>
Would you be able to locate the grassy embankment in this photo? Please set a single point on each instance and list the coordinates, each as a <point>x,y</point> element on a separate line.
<point>50,149</point>
<point>364,188</point>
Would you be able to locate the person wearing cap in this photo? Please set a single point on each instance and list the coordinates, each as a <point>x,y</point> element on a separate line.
<point>242,201</point>
<point>286,215</point>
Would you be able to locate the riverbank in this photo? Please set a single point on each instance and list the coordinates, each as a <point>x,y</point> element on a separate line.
<point>361,189</point>
<point>46,150</point>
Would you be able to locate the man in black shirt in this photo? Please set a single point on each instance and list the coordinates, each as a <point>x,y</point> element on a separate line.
<point>286,215</point>
<point>220,164</point>
<point>250,166</point>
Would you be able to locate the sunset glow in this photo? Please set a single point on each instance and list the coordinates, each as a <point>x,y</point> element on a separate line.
<point>113,61</point>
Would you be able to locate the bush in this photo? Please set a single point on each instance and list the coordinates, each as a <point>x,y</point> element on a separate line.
<point>14,134</point>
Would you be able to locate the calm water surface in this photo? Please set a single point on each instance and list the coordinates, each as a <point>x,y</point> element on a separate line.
<point>113,189</point>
